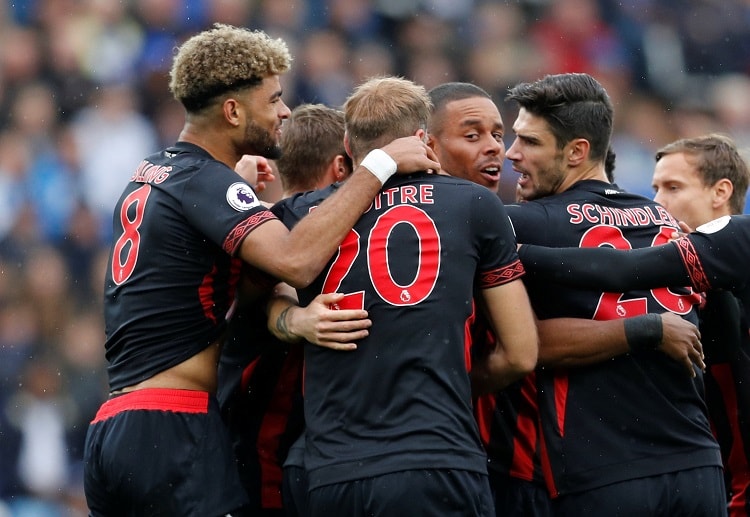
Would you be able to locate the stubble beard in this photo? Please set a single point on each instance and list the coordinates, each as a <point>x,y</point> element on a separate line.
<point>260,142</point>
<point>550,179</point>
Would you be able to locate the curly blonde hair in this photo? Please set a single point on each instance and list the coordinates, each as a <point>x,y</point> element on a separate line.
<point>222,59</point>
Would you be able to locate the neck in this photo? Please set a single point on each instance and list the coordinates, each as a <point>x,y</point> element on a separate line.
<point>215,144</point>
<point>589,172</point>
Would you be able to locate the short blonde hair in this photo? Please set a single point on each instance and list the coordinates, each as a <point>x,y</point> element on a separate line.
<point>383,109</point>
<point>222,59</point>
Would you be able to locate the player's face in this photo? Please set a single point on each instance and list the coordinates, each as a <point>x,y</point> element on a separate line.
<point>535,156</point>
<point>266,113</point>
<point>470,144</point>
<point>678,188</point>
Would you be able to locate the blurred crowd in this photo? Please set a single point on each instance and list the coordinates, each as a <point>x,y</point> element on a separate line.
<point>84,97</point>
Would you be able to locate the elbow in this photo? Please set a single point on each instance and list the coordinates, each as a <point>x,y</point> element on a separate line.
<point>525,361</point>
<point>298,279</point>
<point>298,272</point>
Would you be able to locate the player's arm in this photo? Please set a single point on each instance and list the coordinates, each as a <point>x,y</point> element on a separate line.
<point>513,322</point>
<point>570,342</point>
<point>316,323</point>
<point>606,269</point>
<point>297,257</point>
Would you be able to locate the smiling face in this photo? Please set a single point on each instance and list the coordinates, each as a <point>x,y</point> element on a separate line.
<point>266,112</point>
<point>535,156</point>
<point>468,141</point>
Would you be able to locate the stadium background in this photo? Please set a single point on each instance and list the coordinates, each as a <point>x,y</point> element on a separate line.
<point>83,97</point>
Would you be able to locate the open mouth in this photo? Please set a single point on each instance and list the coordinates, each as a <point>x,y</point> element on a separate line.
<point>491,173</point>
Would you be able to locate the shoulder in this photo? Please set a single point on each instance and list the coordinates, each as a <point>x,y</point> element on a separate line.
<point>302,203</point>
<point>728,232</point>
<point>530,209</point>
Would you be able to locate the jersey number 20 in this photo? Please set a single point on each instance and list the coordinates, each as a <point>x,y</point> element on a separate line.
<point>612,305</point>
<point>378,266</point>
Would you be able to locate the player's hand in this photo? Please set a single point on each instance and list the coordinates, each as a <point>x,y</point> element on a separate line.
<point>682,342</point>
<point>412,154</point>
<point>256,171</point>
<point>330,328</point>
<point>685,228</point>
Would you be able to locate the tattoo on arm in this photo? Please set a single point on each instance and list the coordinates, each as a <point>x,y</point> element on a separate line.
<point>283,328</point>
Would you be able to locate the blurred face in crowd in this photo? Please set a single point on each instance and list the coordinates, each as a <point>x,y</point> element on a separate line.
<point>469,141</point>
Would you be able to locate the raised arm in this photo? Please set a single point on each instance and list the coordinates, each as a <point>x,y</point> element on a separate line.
<point>606,269</point>
<point>297,257</point>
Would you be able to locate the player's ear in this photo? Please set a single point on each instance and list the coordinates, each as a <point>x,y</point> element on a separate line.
<point>722,191</point>
<point>430,141</point>
<point>340,168</point>
<point>231,109</point>
<point>577,151</point>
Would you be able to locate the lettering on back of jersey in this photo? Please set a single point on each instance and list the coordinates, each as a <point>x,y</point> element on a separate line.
<point>148,172</point>
<point>593,213</point>
<point>405,194</point>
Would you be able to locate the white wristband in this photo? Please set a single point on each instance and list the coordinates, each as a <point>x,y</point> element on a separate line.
<point>380,164</point>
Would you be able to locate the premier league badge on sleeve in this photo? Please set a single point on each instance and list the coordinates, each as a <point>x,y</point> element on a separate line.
<point>241,197</point>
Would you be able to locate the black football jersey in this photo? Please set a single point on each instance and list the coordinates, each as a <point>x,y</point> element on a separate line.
<point>635,415</point>
<point>402,400</point>
<point>172,270</point>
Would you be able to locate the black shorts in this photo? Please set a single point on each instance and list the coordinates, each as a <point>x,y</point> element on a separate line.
<point>516,497</point>
<point>435,492</point>
<point>160,452</point>
<point>294,491</point>
<point>698,491</point>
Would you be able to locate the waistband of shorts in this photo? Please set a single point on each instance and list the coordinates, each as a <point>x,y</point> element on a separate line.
<point>155,399</point>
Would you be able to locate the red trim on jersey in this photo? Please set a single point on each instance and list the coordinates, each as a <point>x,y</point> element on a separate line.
<point>155,399</point>
<point>273,426</point>
<point>501,275</point>
<point>561,400</point>
<point>239,232</point>
<point>484,408</point>
<point>526,433</point>
<point>693,265</point>
<point>549,479</point>
<point>206,294</point>
<point>247,374</point>
<point>468,340</point>
<point>737,464</point>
